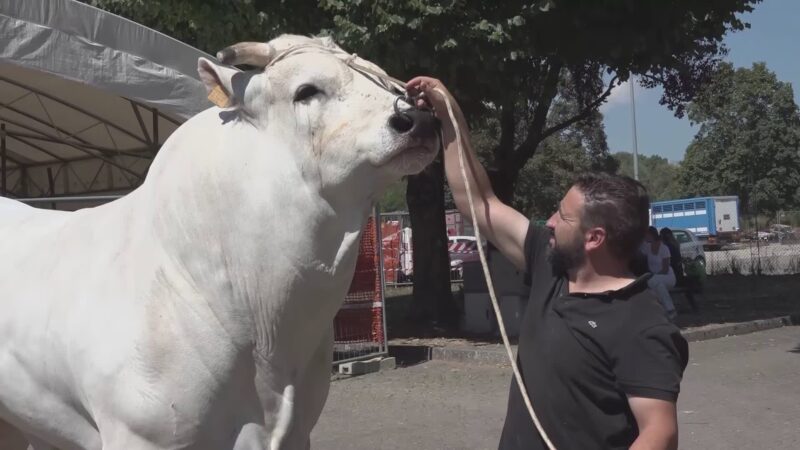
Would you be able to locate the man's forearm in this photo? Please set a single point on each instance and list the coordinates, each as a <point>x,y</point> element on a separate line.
<point>476,174</point>
<point>656,440</point>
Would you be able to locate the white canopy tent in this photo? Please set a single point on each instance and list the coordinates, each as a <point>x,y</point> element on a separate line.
<point>86,98</point>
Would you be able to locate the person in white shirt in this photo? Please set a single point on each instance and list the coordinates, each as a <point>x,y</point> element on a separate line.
<point>658,263</point>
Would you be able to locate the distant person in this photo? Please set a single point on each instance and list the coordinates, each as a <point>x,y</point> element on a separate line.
<point>682,277</point>
<point>675,258</point>
<point>658,262</point>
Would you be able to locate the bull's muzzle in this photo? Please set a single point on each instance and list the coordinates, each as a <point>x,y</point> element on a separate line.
<point>416,123</point>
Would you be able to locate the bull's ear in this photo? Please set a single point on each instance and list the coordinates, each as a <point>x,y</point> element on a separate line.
<point>218,81</point>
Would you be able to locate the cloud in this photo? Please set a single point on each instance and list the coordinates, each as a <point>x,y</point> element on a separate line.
<point>620,96</point>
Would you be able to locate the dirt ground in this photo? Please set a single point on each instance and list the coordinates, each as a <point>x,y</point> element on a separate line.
<point>738,392</point>
<point>724,299</point>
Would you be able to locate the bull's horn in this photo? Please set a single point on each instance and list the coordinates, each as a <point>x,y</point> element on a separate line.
<point>258,54</point>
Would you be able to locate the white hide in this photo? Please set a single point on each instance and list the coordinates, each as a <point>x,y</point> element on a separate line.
<point>196,312</point>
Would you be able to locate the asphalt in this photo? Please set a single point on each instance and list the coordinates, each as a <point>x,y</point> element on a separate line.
<point>739,392</point>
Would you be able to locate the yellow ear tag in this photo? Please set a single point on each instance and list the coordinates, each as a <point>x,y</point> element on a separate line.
<point>219,97</point>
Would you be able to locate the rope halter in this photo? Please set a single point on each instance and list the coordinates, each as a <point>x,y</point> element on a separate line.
<point>264,55</point>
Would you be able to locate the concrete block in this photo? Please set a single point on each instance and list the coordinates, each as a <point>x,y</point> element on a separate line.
<point>368,366</point>
<point>388,364</point>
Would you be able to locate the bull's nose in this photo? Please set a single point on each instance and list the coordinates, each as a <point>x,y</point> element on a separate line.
<point>416,123</point>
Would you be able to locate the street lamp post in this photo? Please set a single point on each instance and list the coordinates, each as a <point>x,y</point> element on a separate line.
<point>635,140</point>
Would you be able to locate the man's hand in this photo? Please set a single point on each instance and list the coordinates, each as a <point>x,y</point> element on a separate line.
<point>426,90</point>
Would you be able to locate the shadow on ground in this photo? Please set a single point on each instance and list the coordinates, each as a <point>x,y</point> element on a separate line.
<point>739,298</point>
<point>724,299</point>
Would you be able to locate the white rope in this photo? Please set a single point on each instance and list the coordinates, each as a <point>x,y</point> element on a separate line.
<point>488,276</point>
<point>350,59</point>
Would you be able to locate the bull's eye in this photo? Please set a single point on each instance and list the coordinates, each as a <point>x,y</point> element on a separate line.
<point>305,92</point>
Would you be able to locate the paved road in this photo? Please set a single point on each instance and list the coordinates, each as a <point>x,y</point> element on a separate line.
<point>743,392</point>
<point>738,393</point>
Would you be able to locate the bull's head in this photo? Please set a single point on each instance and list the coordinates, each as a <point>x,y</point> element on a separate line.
<point>340,123</point>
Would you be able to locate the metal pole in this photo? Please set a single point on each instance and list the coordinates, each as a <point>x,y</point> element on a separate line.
<point>51,183</point>
<point>635,140</point>
<point>156,143</point>
<point>3,158</point>
<point>87,198</point>
<point>379,239</point>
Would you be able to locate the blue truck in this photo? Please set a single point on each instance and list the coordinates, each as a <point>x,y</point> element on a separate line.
<point>715,220</point>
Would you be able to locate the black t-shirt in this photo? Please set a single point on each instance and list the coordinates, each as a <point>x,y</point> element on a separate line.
<point>581,354</point>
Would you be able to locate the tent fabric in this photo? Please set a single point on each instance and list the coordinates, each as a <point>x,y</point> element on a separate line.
<point>87,97</point>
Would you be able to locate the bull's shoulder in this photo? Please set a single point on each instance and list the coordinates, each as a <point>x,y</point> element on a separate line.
<point>11,210</point>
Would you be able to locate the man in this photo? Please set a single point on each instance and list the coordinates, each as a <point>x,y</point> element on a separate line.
<point>599,359</point>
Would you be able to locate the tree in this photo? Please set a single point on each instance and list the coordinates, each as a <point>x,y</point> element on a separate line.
<point>656,173</point>
<point>394,199</point>
<point>749,140</point>
<point>211,25</point>
<point>581,147</point>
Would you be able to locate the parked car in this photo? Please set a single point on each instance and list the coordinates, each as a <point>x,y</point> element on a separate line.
<point>461,249</point>
<point>763,236</point>
<point>691,246</point>
<point>781,233</point>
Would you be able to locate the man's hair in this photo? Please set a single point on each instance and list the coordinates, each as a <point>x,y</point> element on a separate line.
<point>619,205</point>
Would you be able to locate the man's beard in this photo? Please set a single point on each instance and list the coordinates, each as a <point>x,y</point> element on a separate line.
<point>567,256</point>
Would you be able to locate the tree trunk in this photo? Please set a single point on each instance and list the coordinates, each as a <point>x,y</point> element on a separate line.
<point>503,176</point>
<point>504,180</point>
<point>432,299</point>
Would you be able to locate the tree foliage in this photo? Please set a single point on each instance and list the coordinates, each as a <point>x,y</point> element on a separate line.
<point>521,50</point>
<point>211,25</point>
<point>394,199</point>
<point>656,173</point>
<point>749,140</point>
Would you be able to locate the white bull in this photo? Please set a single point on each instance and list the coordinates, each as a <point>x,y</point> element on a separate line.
<point>196,312</point>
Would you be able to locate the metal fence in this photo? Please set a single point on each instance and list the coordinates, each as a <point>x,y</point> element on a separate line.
<point>360,325</point>
<point>398,263</point>
<point>767,245</point>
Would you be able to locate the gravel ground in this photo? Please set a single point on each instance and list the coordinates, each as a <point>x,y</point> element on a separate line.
<point>739,392</point>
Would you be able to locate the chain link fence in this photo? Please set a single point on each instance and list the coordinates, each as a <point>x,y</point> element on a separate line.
<point>767,245</point>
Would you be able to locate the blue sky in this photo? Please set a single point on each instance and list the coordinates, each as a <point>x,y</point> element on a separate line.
<point>772,38</point>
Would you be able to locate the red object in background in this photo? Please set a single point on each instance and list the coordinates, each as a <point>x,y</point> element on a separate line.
<point>360,320</point>
<point>391,233</point>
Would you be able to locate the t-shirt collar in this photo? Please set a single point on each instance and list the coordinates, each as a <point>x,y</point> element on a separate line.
<point>634,287</point>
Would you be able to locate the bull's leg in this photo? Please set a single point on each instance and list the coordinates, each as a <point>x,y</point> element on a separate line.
<point>311,393</point>
<point>11,438</point>
<point>292,406</point>
<point>38,444</point>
